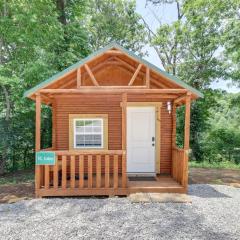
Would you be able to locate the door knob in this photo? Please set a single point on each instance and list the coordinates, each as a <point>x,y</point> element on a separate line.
<point>153,139</point>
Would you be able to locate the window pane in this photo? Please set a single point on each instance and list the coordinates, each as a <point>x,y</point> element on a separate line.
<point>80,141</point>
<point>79,123</point>
<point>97,129</point>
<point>97,122</point>
<point>88,123</point>
<point>88,129</point>
<point>80,129</point>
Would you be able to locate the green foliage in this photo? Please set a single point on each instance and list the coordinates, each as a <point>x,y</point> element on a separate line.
<point>192,47</point>
<point>220,165</point>
<point>37,40</point>
<point>115,20</point>
<point>222,140</point>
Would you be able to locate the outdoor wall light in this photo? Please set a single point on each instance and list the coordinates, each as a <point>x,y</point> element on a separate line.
<point>169,107</point>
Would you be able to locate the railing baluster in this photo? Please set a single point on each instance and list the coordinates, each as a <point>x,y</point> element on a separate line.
<point>106,171</point>
<point>98,171</point>
<point>81,171</point>
<point>38,173</point>
<point>64,172</point>
<point>55,174</point>
<point>178,168</point>
<point>46,176</point>
<point>115,172</point>
<point>72,169</point>
<point>124,175</point>
<point>90,171</point>
<point>173,164</point>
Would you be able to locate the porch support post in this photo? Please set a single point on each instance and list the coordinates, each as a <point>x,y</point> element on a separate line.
<point>124,135</point>
<point>174,125</point>
<point>186,139</point>
<point>54,124</point>
<point>38,142</point>
<point>174,128</point>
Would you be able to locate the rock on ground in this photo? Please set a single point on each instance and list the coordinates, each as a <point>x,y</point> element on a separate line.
<point>213,214</point>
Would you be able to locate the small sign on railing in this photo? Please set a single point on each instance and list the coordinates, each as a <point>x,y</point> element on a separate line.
<point>45,158</point>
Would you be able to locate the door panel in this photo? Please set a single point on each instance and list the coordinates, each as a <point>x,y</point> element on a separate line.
<point>140,147</point>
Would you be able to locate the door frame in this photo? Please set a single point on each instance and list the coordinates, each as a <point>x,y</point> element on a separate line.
<point>157,106</point>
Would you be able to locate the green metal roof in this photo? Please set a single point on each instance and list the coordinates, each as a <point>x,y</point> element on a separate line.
<point>102,50</point>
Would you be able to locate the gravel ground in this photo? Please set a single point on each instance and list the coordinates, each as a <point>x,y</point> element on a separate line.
<point>213,214</point>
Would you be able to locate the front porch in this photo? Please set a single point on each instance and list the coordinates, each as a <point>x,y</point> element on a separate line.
<point>102,173</point>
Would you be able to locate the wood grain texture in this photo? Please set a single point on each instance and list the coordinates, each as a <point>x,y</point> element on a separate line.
<point>98,171</point>
<point>115,172</point>
<point>64,172</point>
<point>79,78</point>
<point>55,175</point>
<point>73,171</point>
<point>81,171</point>
<point>90,172</point>
<point>107,171</point>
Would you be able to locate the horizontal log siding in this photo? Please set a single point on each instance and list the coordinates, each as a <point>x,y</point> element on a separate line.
<point>109,104</point>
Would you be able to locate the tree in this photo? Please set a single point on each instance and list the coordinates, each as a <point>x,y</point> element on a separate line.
<point>190,47</point>
<point>41,38</point>
<point>115,20</point>
<point>32,41</point>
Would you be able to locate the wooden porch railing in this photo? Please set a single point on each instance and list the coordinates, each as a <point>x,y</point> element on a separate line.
<point>180,165</point>
<point>83,173</point>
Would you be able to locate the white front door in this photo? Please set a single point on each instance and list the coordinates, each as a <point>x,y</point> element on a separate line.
<point>141,139</point>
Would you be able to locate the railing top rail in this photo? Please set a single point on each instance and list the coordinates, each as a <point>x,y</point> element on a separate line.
<point>89,152</point>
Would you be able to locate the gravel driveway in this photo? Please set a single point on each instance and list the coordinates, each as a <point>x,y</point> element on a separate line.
<point>213,214</point>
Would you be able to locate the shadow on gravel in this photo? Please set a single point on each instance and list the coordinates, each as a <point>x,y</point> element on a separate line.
<point>207,191</point>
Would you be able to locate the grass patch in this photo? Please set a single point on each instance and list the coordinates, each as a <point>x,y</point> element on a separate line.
<point>26,176</point>
<point>220,165</point>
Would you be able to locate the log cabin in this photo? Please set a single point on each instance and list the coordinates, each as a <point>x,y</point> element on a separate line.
<point>113,127</point>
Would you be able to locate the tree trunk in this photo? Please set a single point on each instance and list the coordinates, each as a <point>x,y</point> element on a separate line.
<point>61,4</point>
<point>2,163</point>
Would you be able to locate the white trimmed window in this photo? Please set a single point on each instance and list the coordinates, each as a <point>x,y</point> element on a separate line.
<point>88,133</point>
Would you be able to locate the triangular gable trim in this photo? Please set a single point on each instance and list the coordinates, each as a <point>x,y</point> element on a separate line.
<point>73,67</point>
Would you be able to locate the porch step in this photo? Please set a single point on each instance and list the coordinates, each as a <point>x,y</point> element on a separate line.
<point>163,184</point>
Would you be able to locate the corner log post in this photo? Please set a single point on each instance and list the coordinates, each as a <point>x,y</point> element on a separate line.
<point>186,139</point>
<point>174,130</point>
<point>38,177</point>
<point>124,136</point>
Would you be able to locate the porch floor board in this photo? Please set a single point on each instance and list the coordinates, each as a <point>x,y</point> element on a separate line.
<point>162,184</point>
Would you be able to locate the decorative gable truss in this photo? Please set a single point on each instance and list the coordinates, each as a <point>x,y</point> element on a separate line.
<point>112,68</point>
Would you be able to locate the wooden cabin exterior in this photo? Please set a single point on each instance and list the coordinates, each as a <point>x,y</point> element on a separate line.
<point>113,120</point>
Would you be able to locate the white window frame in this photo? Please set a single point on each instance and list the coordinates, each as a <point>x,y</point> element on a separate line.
<point>75,133</point>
